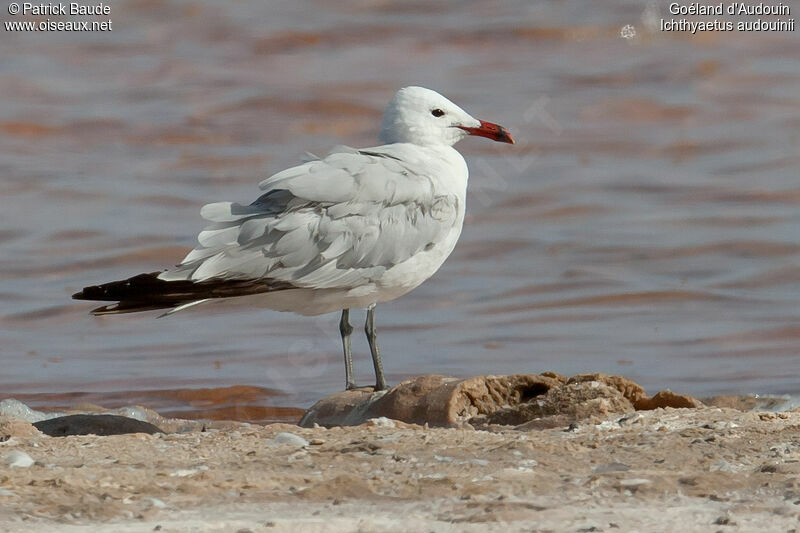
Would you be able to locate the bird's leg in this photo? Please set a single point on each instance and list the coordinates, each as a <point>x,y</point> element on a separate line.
<point>372,338</point>
<point>346,329</point>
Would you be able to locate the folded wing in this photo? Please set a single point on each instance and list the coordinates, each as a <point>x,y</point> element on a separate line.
<point>337,222</point>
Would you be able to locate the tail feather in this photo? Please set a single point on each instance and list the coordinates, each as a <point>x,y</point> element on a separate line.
<point>147,292</point>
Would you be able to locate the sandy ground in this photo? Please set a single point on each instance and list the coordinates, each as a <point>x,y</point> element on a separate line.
<point>706,469</point>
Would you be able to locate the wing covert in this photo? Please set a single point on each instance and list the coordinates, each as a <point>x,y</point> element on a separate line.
<point>337,222</point>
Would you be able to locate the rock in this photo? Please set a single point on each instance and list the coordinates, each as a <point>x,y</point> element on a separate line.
<point>346,408</point>
<point>290,439</point>
<point>555,375</point>
<point>17,409</point>
<point>15,427</point>
<point>548,422</point>
<point>417,401</point>
<point>666,398</point>
<point>486,395</point>
<point>630,390</point>
<point>526,401</point>
<point>18,459</point>
<point>568,404</point>
<point>746,403</point>
<point>435,400</point>
<point>94,424</point>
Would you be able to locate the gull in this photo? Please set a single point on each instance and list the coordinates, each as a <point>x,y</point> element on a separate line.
<point>350,230</point>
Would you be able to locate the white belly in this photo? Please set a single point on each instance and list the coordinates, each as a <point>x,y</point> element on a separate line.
<point>408,275</point>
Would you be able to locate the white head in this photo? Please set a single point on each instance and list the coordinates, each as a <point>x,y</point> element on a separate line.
<point>421,116</point>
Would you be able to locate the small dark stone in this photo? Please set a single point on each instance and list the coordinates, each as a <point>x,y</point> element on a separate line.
<point>63,426</point>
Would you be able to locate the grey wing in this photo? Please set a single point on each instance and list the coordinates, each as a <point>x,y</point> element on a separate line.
<point>339,222</point>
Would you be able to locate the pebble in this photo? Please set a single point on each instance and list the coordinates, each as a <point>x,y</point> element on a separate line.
<point>18,459</point>
<point>158,503</point>
<point>317,442</point>
<point>186,472</point>
<point>634,482</point>
<point>290,439</point>
<point>611,467</point>
<point>629,419</point>
<point>382,422</point>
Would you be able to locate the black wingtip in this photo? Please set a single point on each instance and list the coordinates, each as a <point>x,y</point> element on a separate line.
<point>95,292</point>
<point>113,309</point>
<point>146,292</point>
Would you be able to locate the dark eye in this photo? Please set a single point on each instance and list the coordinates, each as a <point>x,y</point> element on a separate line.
<point>437,113</point>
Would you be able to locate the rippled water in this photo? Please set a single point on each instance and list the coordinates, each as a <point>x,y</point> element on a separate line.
<point>646,223</point>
